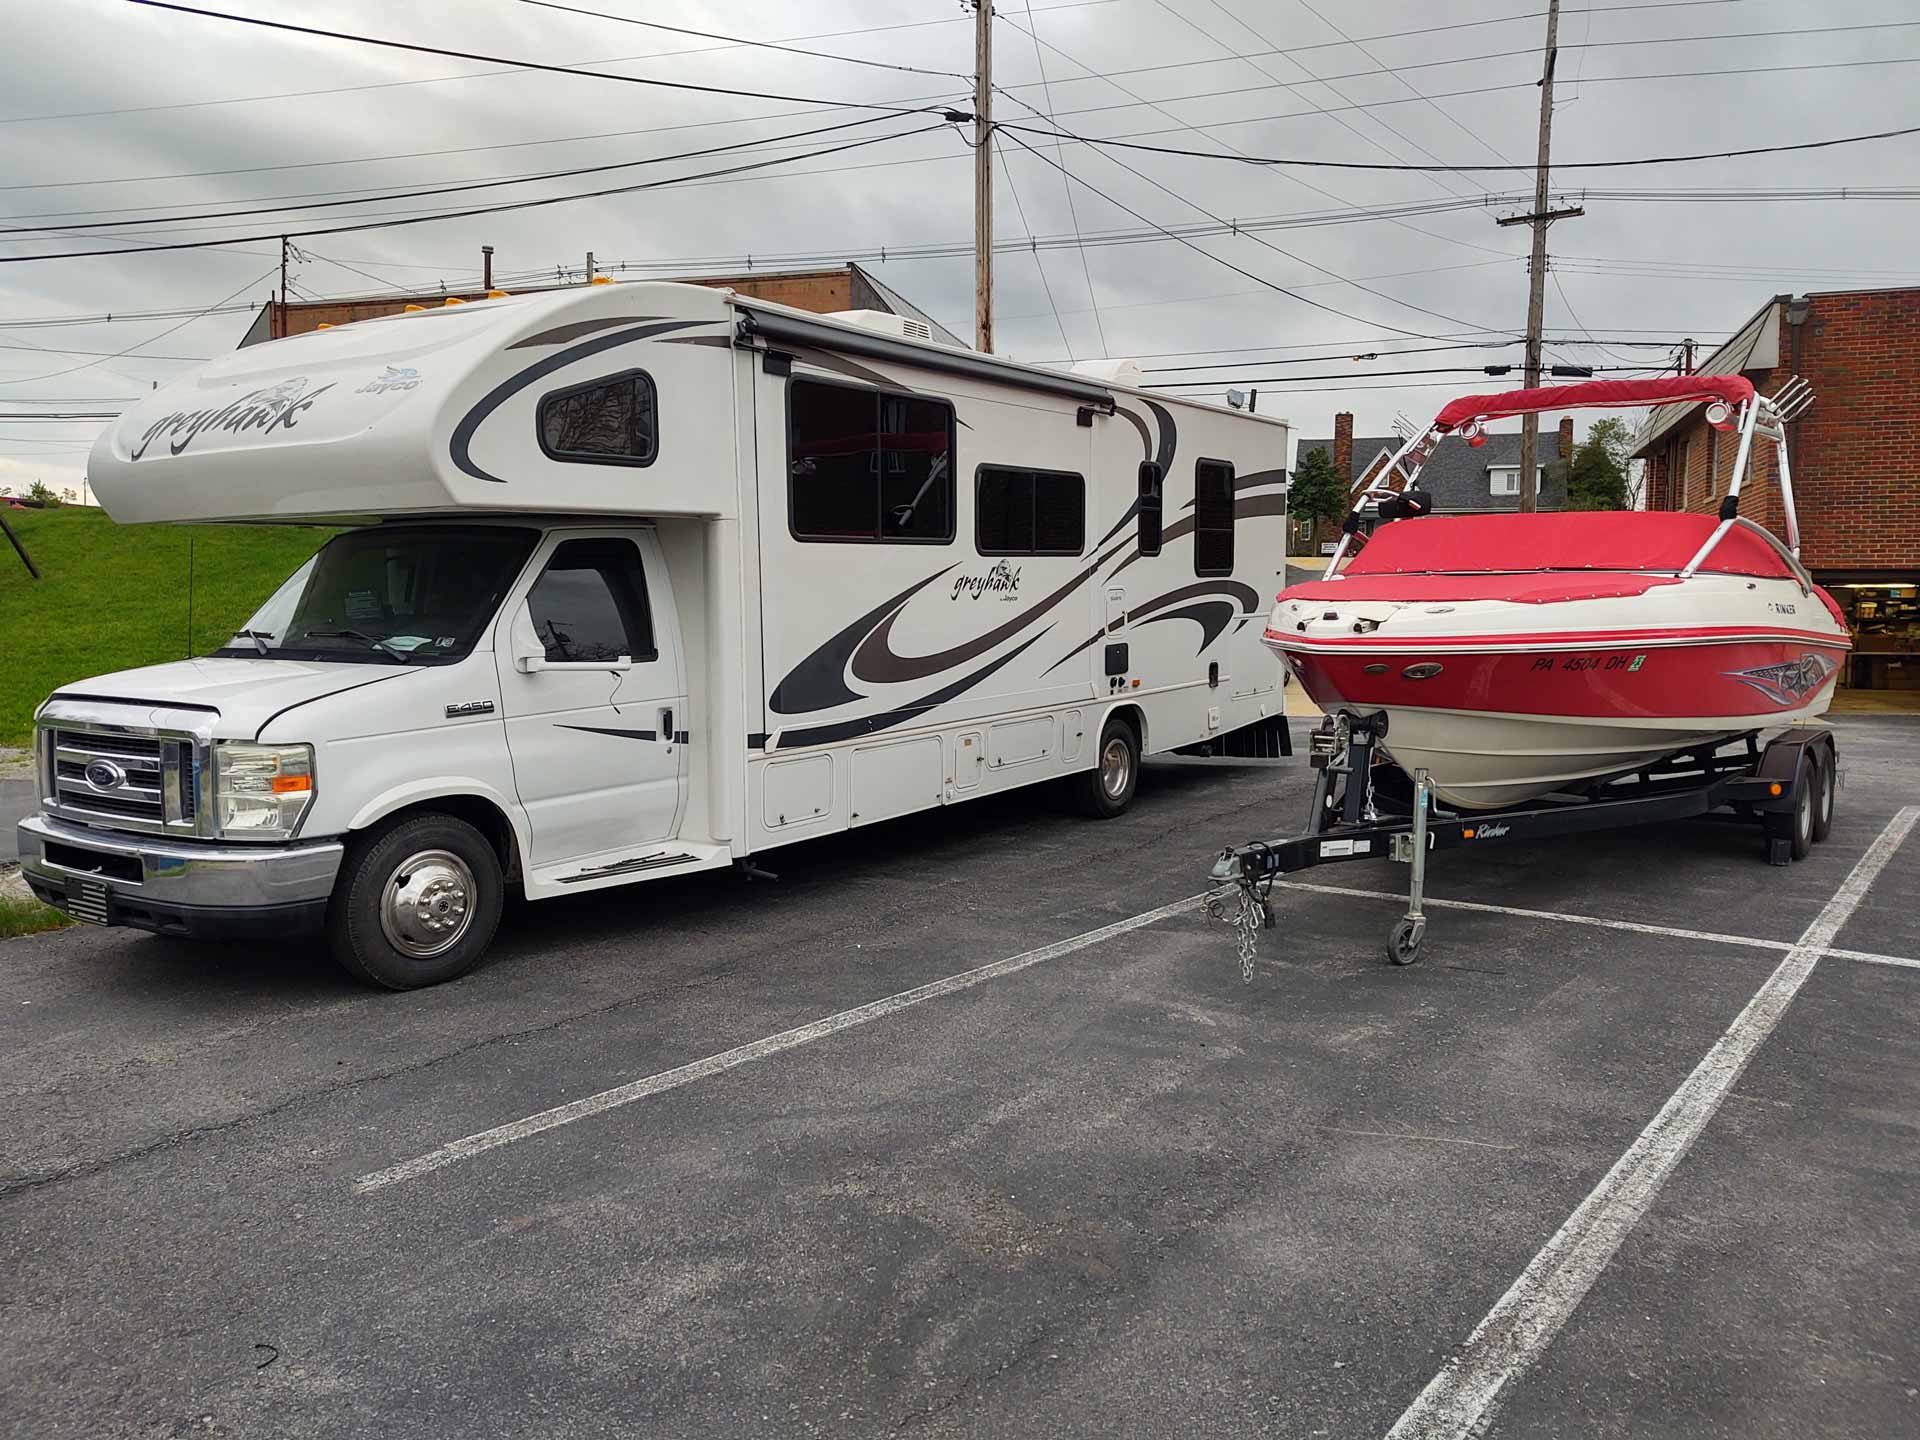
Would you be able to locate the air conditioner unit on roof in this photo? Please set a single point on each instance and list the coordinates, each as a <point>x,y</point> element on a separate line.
<point>884,322</point>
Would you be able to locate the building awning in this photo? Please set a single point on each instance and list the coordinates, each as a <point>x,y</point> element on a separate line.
<point>1755,346</point>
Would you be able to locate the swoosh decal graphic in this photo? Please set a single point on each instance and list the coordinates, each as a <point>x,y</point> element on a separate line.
<point>1212,616</point>
<point>539,370</point>
<point>870,724</point>
<point>1165,456</point>
<point>1254,481</point>
<point>1238,598</point>
<point>819,681</point>
<point>617,734</point>
<point>560,334</point>
<point>1242,510</point>
<point>876,662</point>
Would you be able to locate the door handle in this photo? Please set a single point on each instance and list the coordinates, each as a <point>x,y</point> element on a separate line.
<point>666,723</point>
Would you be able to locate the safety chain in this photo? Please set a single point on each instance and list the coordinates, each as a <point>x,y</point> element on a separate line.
<point>1244,906</point>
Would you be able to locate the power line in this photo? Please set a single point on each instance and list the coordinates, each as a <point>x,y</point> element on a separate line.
<point>737,40</point>
<point>1066,188</point>
<point>1257,279</point>
<point>1264,160</point>
<point>1372,375</point>
<point>1021,210</point>
<point>33,379</point>
<point>95,225</point>
<point>454,214</point>
<point>485,59</point>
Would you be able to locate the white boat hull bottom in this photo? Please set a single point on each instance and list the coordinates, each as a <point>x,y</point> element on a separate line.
<point>1481,761</point>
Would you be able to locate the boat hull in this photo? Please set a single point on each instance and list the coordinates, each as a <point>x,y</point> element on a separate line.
<point>1512,713</point>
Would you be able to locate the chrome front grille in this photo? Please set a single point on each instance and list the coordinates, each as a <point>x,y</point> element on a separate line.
<point>120,777</point>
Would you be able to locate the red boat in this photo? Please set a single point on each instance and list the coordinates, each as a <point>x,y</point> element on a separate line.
<point>1517,654</point>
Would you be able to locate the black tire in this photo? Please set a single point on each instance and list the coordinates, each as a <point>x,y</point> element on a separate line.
<point>1403,946</point>
<point>456,886</point>
<point>1806,800</point>
<point>1829,782</point>
<point>1108,789</point>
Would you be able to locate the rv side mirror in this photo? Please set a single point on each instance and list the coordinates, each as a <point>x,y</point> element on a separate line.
<point>530,652</point>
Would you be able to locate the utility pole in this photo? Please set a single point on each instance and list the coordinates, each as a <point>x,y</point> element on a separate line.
<point>983,176</point>
<point>486,267</point>
<point>281,328</point>
<point>1540,219</point>
<point>1686,357</point>
<point>589,267</point>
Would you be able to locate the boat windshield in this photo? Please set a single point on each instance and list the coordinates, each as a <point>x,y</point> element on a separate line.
<point>389,595</point>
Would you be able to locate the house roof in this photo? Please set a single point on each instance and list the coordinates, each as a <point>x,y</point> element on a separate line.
<point>1754,346</point>
<point>1456,473</point>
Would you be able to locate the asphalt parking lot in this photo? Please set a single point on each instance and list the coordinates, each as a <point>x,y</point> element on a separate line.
<point>1667,1158</point>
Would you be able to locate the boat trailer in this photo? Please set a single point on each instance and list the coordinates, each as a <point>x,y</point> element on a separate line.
<point>1365,807</point>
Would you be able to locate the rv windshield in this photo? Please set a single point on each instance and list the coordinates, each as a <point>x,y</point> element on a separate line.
<point>393,595</point>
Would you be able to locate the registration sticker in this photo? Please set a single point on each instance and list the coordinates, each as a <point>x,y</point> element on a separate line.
<point>1333,849</point>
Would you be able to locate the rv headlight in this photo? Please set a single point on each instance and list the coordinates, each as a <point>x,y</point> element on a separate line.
<point>260,791</point>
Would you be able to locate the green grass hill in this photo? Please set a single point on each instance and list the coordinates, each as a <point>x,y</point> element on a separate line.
<point>115,596</point>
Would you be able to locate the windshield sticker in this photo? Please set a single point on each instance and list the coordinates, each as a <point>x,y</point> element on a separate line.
<point>363,605</point>
<point>408,642</point>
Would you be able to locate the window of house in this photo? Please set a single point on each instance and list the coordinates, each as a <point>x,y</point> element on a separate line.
<point>1212,518</point>
<point>867,465</point>
<point>590,603</point>
<point>607,422</point>
<point>1503,480</point>
<point>1029,512</point>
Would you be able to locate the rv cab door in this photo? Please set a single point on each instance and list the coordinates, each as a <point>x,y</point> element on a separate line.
<point>594,695</point>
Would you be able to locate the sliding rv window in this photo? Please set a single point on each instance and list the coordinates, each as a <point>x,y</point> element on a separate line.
<point>1212,518</point>
<point>1147,510</point>
<point>867,466</point>
<point>611,421</point>
<point>1029,512</point>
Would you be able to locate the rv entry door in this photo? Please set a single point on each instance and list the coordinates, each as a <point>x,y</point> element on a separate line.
<point>594,696</point>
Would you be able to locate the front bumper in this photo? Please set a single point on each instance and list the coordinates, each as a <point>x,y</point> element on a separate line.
<point>178,887</point>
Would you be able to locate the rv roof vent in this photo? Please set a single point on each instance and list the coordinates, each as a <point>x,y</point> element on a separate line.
<point>1113,372</point>
<point>901,327</point>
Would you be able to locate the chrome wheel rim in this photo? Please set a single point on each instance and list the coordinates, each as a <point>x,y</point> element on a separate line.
<point>1116,768</point>
<point>427,904</point>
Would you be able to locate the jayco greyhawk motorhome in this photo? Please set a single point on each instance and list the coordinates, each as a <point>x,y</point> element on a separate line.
<point>645,579</point>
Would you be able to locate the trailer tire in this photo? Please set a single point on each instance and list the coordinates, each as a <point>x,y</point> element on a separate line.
<point>417,902</point>
<point>1828,769</point>
<point>1806,801</point>
<point>1108,789</point>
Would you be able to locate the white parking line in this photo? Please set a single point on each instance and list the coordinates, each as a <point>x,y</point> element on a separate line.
<point>1751,942</point>
<point>1461,1400</point>
<point>472,1145</point>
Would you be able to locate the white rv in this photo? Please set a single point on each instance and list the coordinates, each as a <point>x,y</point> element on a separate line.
<point>645,579</point>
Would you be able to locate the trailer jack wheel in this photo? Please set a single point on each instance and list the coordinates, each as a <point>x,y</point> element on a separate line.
<point>1404,946</point>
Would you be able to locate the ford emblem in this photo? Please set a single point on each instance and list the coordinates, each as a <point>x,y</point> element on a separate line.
<point>105,775</point>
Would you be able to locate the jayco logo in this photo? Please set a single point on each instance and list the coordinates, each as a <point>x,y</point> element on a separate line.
<point>277,407</point>
<point>1002,580</point>
<point>397,377</point>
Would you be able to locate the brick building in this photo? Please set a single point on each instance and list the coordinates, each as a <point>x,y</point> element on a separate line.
<point>1855,456</point>
<point>845,287</point>
<point>1463,479</point>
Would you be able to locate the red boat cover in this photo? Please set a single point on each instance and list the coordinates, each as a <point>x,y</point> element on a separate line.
<point>1603,394</point>
<point>1522,589</point>
<point>1578,540</point>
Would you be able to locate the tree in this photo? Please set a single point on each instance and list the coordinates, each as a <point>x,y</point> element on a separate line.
<point>44,493</point>
<point>1317,492</point>
<point>1597,476</point>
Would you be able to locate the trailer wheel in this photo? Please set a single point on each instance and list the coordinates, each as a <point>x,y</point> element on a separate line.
<point>1806,800</point>
<point>1828,770</point>
<point>417,903</point>
<point>1403,946</point>
<point>1107,790</point>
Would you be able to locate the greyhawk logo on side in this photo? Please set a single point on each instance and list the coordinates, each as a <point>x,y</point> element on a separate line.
<point>1791,681</point>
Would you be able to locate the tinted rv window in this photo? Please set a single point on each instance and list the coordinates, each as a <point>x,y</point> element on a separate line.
<point>865,465</point>
<point>1029,512</point>
<point>590,603</point>
<point>1147,514</point>
<point>610,421</point>
<point>1213,518</point>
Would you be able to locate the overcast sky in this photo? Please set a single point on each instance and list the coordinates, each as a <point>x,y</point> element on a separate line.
<point>115,112</point>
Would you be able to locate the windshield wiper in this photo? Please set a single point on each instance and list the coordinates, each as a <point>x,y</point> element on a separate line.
<point>381,645</point>
<point>259,638</point>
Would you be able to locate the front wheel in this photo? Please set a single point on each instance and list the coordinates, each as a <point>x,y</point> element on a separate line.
<point>1107,789</point>
<point>417,903</point>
